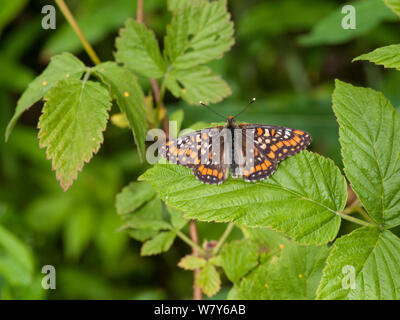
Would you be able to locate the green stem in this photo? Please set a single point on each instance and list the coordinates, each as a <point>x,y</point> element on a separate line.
<point>356,207</point>
<point>160,101</point>
<point>355,220</point>
<point>71,20</point>
<point>86,76</point>
<point>189,242</point>
<point>361,211</point>
<point>224,236</point>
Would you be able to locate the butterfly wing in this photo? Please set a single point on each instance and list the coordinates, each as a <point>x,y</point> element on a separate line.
<point>195,151</point>
<point>271,145</point>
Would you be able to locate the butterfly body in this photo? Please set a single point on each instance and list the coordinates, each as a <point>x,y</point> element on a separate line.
<point>250,151</point>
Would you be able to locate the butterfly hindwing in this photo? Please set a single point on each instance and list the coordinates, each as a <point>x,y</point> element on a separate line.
<point>254,164</point>
<point>195,150</point>
<point>278,143</point>
<point>271,145</point>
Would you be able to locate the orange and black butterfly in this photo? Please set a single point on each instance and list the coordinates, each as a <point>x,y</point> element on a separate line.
<point>250,151</point>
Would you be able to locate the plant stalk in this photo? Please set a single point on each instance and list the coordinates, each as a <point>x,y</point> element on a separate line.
<point>185,239</point>
<point>355,220</point>
<point>224,236</point>
<point>71,20</point>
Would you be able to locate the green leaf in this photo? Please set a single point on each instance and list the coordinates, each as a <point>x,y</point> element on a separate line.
<point>265,18</point>
<point>138,49</point>
<point>178,5</point>
<point>178,117</point>
<point>110,244</point>
<point>177,219</point>
<point>267,237</point>
<point>238,258</point>
<point>208,280</point>
<point>301,199</point>
<point>369,130</point>
<point>13,272</point>
<point>130,99</point>
<point>150,212</point>
<point>295,275</point>
<point>394,5</point>
<point>160,243</point>
<point>16,249</point>
<point>387,56</point>
<point>46,214</point>
<point>372,257</point>
<point>200,33</point>
<point>78,232</point>
<point>142,234</point>
<point>71,126</point>
<point>197,84</point>
<point>191,262</point>
<point>136,222</point>
<point>134,196</point>
<point>63,66</point>
<point>216,261</point>
<point>329,30</point>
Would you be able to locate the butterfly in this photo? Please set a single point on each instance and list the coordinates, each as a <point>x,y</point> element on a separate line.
<point>250,151</point>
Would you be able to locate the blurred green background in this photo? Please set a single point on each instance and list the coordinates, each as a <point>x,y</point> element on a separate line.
<point>287,53</point>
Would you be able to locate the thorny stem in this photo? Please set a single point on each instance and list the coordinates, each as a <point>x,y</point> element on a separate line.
<point>224,236</point>
<point>71,20</point>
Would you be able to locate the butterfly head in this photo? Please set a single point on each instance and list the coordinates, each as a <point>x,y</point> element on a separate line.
<point>231,122</point>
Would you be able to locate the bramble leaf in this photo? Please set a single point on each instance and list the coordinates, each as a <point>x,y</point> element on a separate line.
<point>178,5</point>
<point>138,49</point>
<point>363,265</point>
<point>267,237</point>
<point>178,117</point>
<point>394,5</point>
<point>329,30</point>
<point>191,262</point>
<point>134,196</point>
<point>141,221</point>
<point>387,56</point>
<point>71,125</point>
<point>197,84</point>
<point>200,33</point>
<point>209,280</point>
<point>301,199</point>
<point>62,66</point>
<point>177,219</point>
<point>127,92</point>
<point>369,130</point>
<point>160,243</point>
<point>238,258</point>
<point>295,275</point>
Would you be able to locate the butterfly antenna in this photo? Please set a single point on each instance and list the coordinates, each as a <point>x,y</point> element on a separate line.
<point>245,108</point>
<point>203,104</point>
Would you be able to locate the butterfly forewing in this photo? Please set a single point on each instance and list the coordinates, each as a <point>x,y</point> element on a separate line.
<point>203,151</point>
